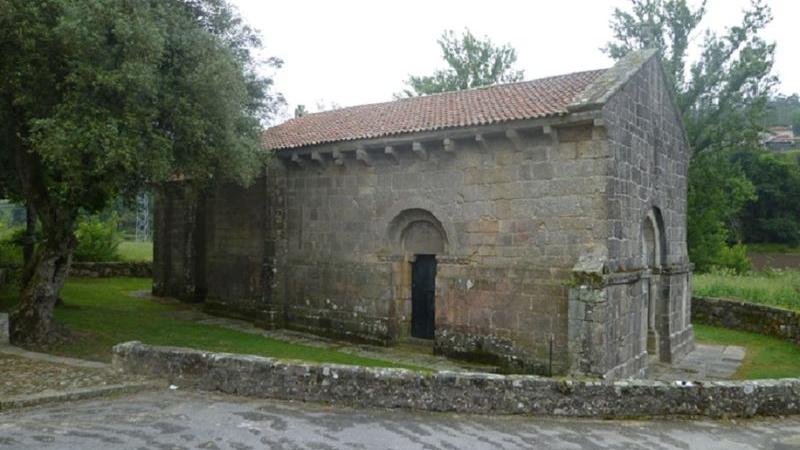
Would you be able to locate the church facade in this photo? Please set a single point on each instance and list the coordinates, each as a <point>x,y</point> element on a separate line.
<point>539,225</point>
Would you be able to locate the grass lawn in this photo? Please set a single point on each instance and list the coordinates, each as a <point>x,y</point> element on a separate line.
<point>103,314</point>
<point>775,288</point>
<point>136,251</point>
<point>767,357</point>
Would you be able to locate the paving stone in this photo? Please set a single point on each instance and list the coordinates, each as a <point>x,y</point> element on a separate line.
<point>705,362</point>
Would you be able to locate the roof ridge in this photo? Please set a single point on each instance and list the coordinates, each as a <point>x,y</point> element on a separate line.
<point>472,89</point>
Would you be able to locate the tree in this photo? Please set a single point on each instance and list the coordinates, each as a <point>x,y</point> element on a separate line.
<point>775,215</point>
<point>99,98</point>
<point>721,97</point>
<point>472,63</point>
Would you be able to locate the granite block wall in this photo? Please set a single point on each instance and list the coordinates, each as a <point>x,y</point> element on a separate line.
<point>514,221</point>
<point>644,312</point>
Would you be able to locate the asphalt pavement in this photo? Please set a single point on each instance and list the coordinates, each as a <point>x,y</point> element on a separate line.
<point>178,419</point>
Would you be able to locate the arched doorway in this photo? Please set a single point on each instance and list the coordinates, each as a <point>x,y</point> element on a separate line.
<point>653,258</point>
<point>421,237</point>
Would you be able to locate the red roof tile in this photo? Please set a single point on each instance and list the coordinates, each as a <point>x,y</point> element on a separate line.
<point>482,106</point>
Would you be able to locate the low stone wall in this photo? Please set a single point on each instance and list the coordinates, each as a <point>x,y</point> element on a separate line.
<point>111,269</point>
<point>744,316</point>
<point>456,392</point>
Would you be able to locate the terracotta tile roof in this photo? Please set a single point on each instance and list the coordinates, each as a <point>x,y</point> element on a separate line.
<point>482,106</point>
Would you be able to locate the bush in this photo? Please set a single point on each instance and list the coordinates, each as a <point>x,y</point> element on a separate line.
<point>98,240</point>
<point>10,250</point>
<point>734,258</point>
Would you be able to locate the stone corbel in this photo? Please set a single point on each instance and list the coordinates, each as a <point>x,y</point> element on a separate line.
<point>338,158</point>
<point>552,132</point>
<point>482,142</point>
<point>363,156</point>
<point>515,138</point>
<point>318,158</point>
<point>390,152</point>
<point>419,149</point>
<point>449,145</point>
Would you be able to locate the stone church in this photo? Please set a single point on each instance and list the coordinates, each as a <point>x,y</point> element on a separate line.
<point>539,225</point>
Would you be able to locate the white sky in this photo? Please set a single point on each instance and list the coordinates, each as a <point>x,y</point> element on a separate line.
<point>352,52</point>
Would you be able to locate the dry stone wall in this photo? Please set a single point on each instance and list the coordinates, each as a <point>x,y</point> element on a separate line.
<point>111,269</point>
<point>744,316</point>
<point>456,392</point>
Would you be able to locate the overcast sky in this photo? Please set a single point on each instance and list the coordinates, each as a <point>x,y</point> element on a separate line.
<point>351,52</point>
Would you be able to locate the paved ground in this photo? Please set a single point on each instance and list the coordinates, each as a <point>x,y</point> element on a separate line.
<point>705,362</point>
<point>177,420</point>
<point>28,373</point>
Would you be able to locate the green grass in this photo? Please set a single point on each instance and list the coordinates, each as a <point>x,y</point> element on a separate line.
<point>772,248</point>
<point>102,314</point>
<point>136,251</point>
<point>774,288</point>
<point>767,357</point>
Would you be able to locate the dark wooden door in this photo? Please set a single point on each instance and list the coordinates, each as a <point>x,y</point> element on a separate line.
<point>423,296</point>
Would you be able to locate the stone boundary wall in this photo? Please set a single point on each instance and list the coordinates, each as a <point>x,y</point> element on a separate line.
<point>137,269</point>
<point>744,316</point>
<point>456,392</point>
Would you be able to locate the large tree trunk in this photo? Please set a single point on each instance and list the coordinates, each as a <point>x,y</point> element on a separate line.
<point>45,272</point>
<point>42,281</point>
<point>29,239</point>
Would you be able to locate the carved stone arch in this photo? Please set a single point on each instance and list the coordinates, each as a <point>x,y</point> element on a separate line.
<point>654,257</point>
<point>417,231</point>
<point>653,240</point>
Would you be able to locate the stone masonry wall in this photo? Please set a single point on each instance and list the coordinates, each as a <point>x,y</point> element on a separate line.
<point>647,177</point>
<point>738,315</point>
<point>236,227</point>
<point>515,223</point>
<point>176,239</point>
<point>471,393</point>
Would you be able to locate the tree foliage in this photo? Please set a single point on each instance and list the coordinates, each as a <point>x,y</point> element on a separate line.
<point>774,217</point>
<point>100,97</point>
<point>721,97</point>
<point>472,62</point>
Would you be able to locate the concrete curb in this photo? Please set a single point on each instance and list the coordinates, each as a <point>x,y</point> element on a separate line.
<point>480,393</point>
<point>22,401</point>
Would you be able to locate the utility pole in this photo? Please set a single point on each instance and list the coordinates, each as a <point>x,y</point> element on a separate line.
<point>143,217</point>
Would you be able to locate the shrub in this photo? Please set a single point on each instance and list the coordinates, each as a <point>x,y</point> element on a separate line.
<point>734,258</point>
<point>10,250</point>
<point>98,240</point>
